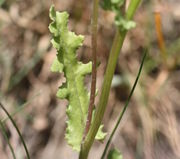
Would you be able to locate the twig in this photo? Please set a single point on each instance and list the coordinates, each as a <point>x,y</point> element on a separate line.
<point>94,70</point>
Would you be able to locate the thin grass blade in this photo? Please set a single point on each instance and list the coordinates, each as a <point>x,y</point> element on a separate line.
<point>20,108</point>
<point>7,139</point>
<point>125,106</point>
<point>17,129</point>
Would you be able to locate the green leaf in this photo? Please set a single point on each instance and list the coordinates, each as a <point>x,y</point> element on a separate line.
<point>124,24</point>
<point>56,66</point>
<point>114,154</point>
<point>100,134</point>
<point>66,44</point>
<point>115,6</point>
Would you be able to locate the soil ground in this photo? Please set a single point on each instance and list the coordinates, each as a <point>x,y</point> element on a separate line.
<point>151,126</point>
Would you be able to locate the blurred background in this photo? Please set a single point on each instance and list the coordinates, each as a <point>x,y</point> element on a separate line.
<point>150,128</point>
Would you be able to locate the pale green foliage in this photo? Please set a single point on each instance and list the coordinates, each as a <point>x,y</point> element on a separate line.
<point>114,154</point>
<point>100,134</point>
<point>120,20</point>
<point>56,66</point>
<point>66,44</point>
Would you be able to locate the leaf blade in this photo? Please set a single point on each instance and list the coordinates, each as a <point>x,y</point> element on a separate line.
<point>66,44</point>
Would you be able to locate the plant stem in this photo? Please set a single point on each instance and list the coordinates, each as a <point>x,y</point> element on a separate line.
<point>115,50</point>
<point>125,107</point>
<point>94,52</point>
<point>117,44</point>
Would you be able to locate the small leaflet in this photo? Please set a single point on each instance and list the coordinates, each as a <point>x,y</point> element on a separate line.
<point>120,20</point>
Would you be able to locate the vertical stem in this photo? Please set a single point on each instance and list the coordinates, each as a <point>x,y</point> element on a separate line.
<point>94,52</point>
<point>117,44</point>
<point>115,50</point>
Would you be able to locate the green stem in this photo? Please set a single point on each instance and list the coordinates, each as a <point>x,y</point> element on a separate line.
<point>125,107</point>
<point>115,50</point>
